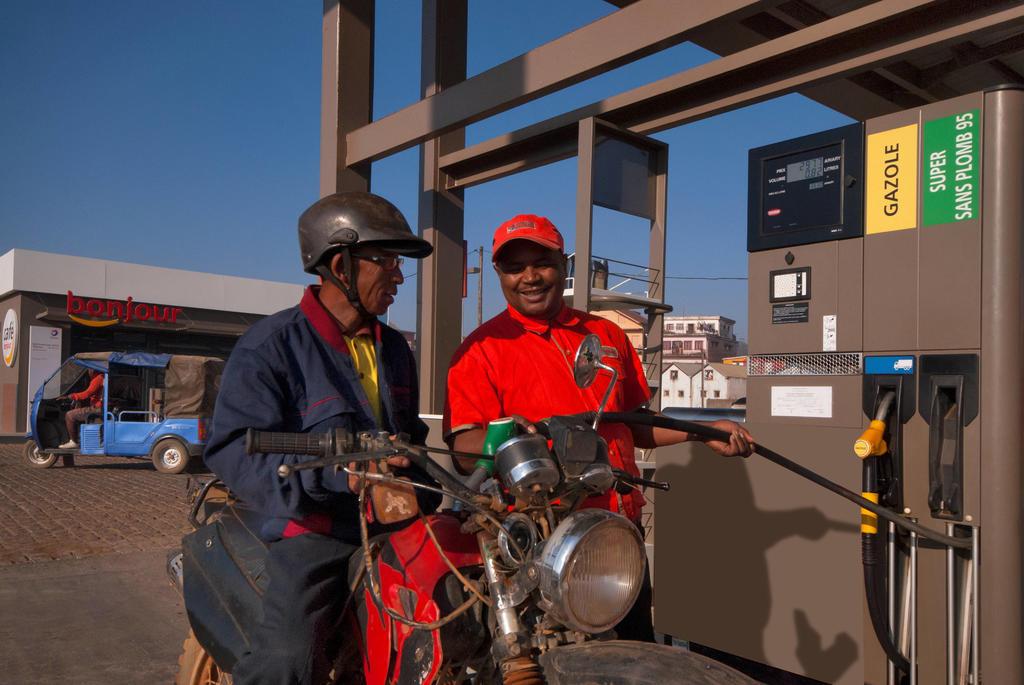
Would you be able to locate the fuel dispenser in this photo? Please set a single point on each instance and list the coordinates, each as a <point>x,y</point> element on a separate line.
<point>886,303</point>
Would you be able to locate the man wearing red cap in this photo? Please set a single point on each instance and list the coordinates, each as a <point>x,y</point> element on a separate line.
<point>520,363</point>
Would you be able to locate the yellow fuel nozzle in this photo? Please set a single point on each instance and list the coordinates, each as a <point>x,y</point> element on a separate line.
<point>871,443</point>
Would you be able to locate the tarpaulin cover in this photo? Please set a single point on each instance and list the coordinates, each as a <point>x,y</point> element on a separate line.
<point>191,385</point>
<point>144,359</point>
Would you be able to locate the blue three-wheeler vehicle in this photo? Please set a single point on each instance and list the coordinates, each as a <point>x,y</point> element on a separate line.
<point>154,405</point>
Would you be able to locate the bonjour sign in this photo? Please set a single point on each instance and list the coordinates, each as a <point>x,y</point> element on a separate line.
<point>98,313</point>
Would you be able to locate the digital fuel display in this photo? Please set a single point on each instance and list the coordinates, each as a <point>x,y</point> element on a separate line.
<point>803,190</point>
<point>805,169</point>
<point>806,190</point>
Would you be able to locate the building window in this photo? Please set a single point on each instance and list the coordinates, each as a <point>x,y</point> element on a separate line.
<point>718,393</point>
<point>698,344</point>
<point>709,375</point>
<point>681,394</point>
<point>666,393</point>
<point>673,374</point>
<point>689,328</point>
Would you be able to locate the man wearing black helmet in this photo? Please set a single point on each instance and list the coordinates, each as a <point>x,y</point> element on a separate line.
<point>326,363</point>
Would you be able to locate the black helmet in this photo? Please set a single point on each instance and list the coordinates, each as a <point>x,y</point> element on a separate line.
<point>347,219</point>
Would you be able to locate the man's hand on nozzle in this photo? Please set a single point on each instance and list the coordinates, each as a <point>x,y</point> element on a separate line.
<point>741,442</point>
<point>523,423</point>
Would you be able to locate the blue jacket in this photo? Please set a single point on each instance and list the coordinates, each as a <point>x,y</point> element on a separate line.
<point>292,372</point>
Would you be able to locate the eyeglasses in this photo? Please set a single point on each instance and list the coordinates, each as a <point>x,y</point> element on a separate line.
<point>388,262</point>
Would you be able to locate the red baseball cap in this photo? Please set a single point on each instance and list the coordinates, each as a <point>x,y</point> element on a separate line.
<point>527,227</point>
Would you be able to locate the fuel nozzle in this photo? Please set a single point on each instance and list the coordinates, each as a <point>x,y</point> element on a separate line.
<point>871,442</point>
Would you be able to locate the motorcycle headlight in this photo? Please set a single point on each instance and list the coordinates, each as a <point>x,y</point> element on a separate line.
<point>591,569</point>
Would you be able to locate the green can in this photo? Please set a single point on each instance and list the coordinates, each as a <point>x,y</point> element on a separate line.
<point>498,431</point>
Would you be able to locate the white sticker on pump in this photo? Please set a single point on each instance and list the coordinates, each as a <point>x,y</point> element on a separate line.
<point>828,333</point>
<point>812,402</point>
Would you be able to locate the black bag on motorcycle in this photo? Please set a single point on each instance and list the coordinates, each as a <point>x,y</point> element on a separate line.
<point>224,566</point>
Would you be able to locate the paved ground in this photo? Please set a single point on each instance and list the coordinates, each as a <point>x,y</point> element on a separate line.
<point>83,594</point>
<point>99,506</point>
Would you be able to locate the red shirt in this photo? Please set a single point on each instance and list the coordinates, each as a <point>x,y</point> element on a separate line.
<point>514,364</point>
<point>93,393</point>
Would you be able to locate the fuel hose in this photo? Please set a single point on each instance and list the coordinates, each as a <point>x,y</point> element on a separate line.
<point>873,558</point>
<point>705,431</point>
<point>872,449</point>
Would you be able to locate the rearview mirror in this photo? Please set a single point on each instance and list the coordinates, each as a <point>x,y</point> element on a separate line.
<point>588,359</point>
<point>585,366</point>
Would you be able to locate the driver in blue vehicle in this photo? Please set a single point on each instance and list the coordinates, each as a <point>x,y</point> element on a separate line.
<point>92,396</point>
<point>326,363</point>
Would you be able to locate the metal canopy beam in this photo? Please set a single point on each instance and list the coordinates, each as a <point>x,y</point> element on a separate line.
<point>440,215</point>
<point>346,90</point>
<point>639,30</point>
<point>969,54</point>
<point>845,45</point>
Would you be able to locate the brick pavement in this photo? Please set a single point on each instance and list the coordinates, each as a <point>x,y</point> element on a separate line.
<point>83,592</point>
<point>102,505</point>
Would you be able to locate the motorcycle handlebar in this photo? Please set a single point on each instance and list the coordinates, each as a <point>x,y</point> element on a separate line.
<point>328,447</point>
<point>643,482</point>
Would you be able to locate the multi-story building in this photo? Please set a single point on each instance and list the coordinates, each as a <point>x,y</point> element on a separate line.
<point>711,385</point>
<point>694,347</point>
<point>699,339</point>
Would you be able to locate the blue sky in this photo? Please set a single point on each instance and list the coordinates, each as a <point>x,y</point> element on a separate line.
<point>186,135</point>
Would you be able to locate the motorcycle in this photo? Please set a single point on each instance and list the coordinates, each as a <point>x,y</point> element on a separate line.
<point>514,585</point>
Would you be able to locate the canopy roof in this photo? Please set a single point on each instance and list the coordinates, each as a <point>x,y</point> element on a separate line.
<point>191,382</point>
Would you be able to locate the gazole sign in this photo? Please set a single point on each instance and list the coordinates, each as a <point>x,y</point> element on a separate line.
<point>100,313</point>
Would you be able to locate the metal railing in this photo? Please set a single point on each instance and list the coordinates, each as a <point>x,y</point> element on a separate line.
<point>623,278</point>
<point>152,415</point>
<point>962,586</point>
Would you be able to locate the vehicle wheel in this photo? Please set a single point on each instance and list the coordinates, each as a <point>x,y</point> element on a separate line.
<point>170,456</point>
<point>36,458</point>
<point>196,667</point>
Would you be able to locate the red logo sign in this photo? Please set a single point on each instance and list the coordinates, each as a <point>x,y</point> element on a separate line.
<point>103,313</point>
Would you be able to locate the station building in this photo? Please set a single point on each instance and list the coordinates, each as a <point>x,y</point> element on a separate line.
<point>53,306</point>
